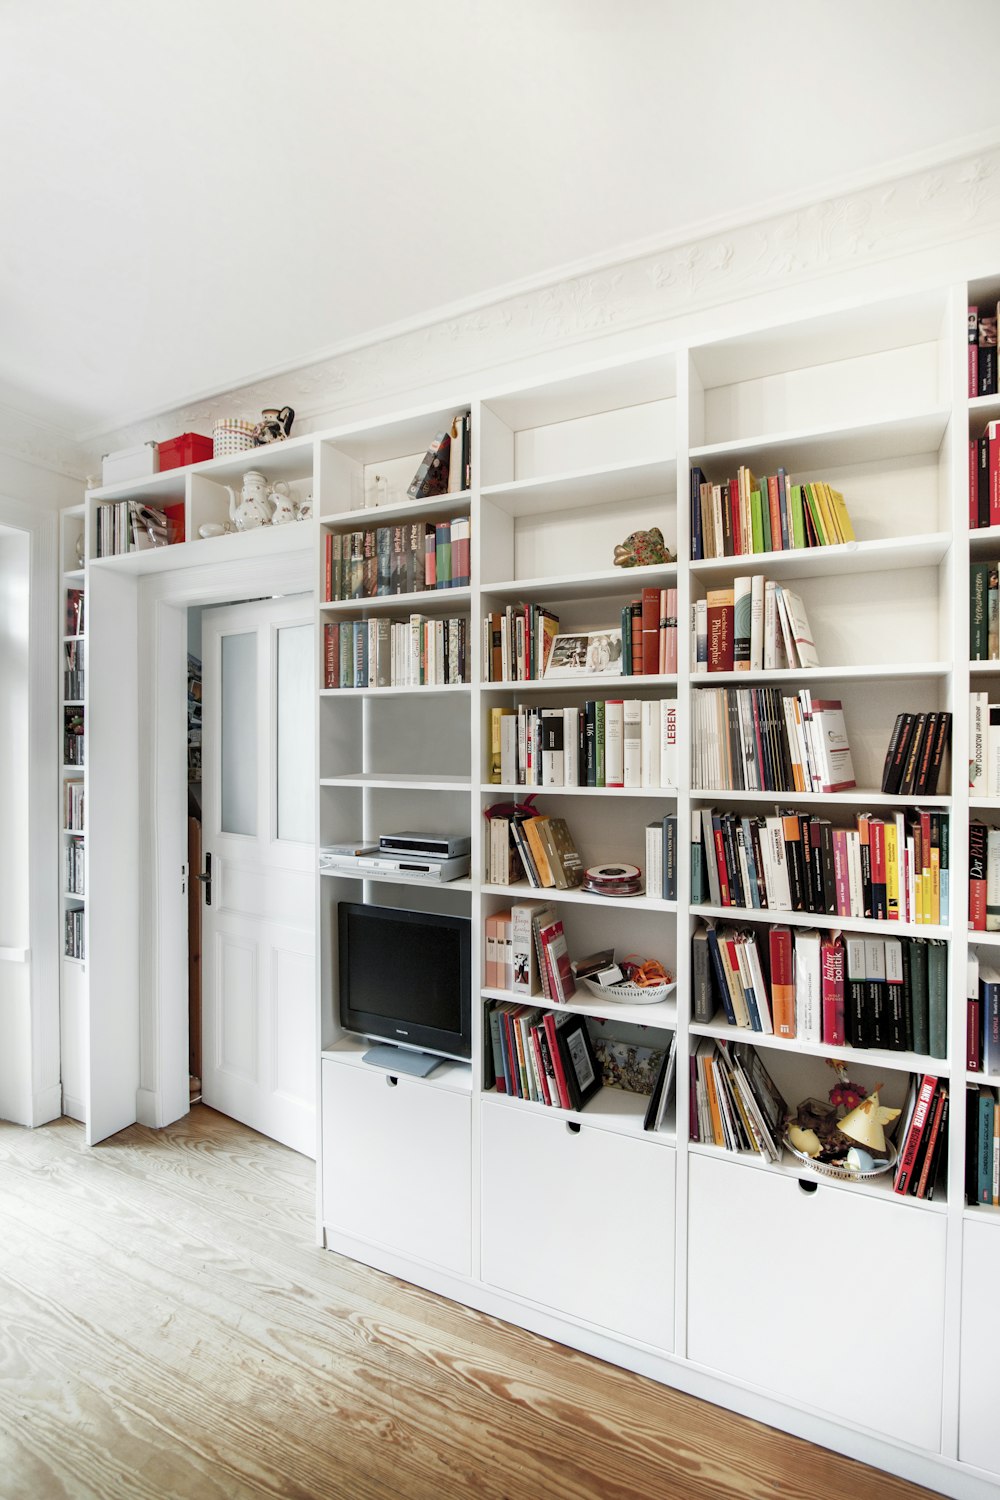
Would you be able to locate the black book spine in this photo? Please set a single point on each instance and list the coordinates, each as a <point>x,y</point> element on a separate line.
<point>829,876</point>
<point>983,481</point>
<point>890,754</point>
<point>942,740</point>
<point>920,782</point>
<point>907,996</point>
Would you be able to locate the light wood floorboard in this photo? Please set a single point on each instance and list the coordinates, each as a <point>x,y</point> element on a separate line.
<point>170,1331</point>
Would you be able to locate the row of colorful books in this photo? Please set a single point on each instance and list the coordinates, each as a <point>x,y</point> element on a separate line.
<point>984,611</point>
<point>894,868</point>
<point>760,739</point>
<point>752,625</point>
<point>982,1146</point>
<point>649,633</point>
<point>923,1133</point>
<point>735,1103</point>
<point>839,990</point>
<point>406,558</point>
<point>525,845</point>
<point>384,652</point>
<point>984,477</point>
<point>517,641</point>
<point>542,1056</point>
<point>982,1015</point>
<point>771,514</point>
<point>613,743</point>
<point>982,378</point>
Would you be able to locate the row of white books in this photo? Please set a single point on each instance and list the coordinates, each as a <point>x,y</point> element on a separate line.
<point>984,746</point>
<point>626,743</point>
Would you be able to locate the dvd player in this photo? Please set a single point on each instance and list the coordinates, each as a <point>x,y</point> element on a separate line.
<point>436,845</point>
<point>423,866</point>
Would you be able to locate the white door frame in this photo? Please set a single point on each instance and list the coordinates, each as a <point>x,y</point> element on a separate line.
<point>164,599</point>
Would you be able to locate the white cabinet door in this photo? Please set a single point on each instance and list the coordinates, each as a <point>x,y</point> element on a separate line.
<point>832,1299</point>
<point>978,1429</point>
<point>397,1164</point>
<point>580,1221</point>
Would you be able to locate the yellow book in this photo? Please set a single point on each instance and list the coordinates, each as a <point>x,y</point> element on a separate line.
<point>891,871</point>
<point>829,519</point>
<point>497,716</point>
<point>919,898</point>
<point>839,506</point>
<point>935,886</point>
<point>811,497</point>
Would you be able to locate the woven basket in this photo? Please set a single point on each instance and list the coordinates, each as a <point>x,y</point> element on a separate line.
<point>626,993</point>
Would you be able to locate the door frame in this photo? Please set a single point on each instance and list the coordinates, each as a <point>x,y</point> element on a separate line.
<point>164,598</point>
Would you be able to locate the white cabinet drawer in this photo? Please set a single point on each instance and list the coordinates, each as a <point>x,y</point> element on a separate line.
<point>832,1299</point>
<point>397,1164</point>
<point>978,1430</point>
<point>580,1221</point>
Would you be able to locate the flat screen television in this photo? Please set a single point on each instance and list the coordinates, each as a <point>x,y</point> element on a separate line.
<point>406,977</point>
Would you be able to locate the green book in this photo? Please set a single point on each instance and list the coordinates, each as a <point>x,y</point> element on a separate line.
<point>798,523</point>
<point>756,522</point>
<point>809,497</point>
<point>765,520</point>
<point>937,997</point>
<point>919,995</point>
<point>979,628</point>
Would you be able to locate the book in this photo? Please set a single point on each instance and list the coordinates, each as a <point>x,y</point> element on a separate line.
<point>914,1135</point>
<point>524,977</point>
<point>579,1065</point>
<point>564,859</point>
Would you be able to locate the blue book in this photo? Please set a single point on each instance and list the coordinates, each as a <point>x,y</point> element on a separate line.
<point>984,1153</point>
<point>718,970</point>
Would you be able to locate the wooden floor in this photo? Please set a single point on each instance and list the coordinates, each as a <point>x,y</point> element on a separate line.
<point>168,1328</point>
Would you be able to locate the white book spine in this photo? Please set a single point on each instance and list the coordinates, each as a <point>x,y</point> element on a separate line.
<point>650,742</point>
<point>508,750</point>
<point>854,873</point>
<point>978,713</point>
<point>993,752</point>
<point>757,622</point>
<point>632,743</point>
<point>701,636</point>
<point>770,627</point>
<point>668,743</point>
<point>614,743</point>
<point>571,747</point>
<point>807,985</point>
<point>654,859</point>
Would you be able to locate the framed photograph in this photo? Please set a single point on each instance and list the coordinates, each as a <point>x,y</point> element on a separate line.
<point>580,1065</point>
<point>588,653</point>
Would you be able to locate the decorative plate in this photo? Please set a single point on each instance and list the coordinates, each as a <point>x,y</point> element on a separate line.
<point>834,1169</point>
<point>625,993</point>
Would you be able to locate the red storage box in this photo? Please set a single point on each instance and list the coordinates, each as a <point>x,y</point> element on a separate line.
<point>189,448</point>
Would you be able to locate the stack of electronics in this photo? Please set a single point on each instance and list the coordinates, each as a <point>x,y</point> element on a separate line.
<point>413,856</point>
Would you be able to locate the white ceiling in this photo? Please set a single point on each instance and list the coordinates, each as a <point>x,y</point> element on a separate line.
<point>196,193</point>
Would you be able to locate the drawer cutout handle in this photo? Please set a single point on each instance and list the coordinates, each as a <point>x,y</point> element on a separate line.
<point>391,1080</point>
<point>807,1187</point>
<point>573,1126</point>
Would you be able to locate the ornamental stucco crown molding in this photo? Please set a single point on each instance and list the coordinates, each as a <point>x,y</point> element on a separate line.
<point>923,210</point>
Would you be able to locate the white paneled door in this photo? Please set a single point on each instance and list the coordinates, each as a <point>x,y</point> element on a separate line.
<point>258,918</point>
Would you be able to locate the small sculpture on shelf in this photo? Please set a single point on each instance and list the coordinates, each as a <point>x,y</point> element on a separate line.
<point>274,425</point>
<point>847,1134</point>
<point>642,549</point>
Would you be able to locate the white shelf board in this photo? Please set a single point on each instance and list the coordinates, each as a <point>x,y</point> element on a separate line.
<point>433,601</point>
<point>73,575</point>
<point>433,508</point>
<point>601,584</point>
<point>885,554</point>
<point>790,1166</point>
<point>450,1073</point>
<point>662,1014</point>
<point>520,891</point>
<point>864,443</point>
<point>74,896</point>
<point>583,488</point>
<point>984,668</point>
<point>493,787</point>
<point>905,1062</point>
<point>401,780</point>
<point>73,703</point>
<point>803,676</point>
<point>611,1108</point>
<point>739,914</point>
<point>615,687</point>
<point>978,939</point>
<point>425,690</point>
<point>263,541</point>
<point>384,877</point>
<point>866,795</point>
<point>992,1080</point>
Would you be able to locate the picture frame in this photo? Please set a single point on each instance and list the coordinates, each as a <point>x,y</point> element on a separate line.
<point>585,653</point>
<point>580,1065</point>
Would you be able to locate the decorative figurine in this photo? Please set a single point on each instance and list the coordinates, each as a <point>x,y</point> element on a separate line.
<point>274,425</point>
<point>642,549</point>
<point>285,507</point>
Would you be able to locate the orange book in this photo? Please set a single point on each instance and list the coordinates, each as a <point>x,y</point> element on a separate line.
<point>538,850</point>
<point>782,981</point>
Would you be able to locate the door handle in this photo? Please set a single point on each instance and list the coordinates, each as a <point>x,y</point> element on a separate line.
<point>206,879</point>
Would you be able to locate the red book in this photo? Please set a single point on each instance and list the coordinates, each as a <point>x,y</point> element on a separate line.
<point>832,991</point>
<point>993,440</point>
<point>720,630</point>
<point>914,1135</point>
<point>933,1141</point>
<point>973,485</point>
<point>720,860</point>
<point>650,632</point>
<point>973,1035</point>
<point>977,877</point>
<point>549,1022</point>
<point>736,510</point>
<point>782,981</point>
<point>561,980</point>
<point>543,1080</point>
<point>774,508</point>
<point>876,848</point>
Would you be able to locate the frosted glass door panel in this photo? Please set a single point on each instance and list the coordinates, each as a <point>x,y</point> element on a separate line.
<point>239,734</point>
<point>294,758</point>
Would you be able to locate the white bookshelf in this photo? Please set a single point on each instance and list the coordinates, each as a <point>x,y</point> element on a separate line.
<point>73,901</point>
<point>872,400</point>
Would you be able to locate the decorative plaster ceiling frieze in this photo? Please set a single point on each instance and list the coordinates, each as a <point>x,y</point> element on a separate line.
<point>920,211</point>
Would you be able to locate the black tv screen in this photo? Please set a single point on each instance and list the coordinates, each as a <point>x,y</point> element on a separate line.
<point>405,977</point>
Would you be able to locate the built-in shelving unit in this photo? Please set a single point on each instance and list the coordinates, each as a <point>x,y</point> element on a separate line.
<point>72,809</point>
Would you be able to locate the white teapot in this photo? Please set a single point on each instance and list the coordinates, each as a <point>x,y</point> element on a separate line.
<point>255,504</point>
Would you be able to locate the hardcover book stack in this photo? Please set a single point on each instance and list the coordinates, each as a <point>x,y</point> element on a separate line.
<point>760,739</point>
<point>405,558</point>
<point>543,1057</point>
<point>893,868</point>
<point>616,742</point>
<point>917,756</point>
<point>517,642</point>
<point>984,476</point>
<point>924,1136</point>
<point>735,1103</point>
<point>751,625</point>
<point>384,652</point>
<point>525,845</point>
<point>850,990</point>
<point>771,514</point>
<point>649,633</point>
